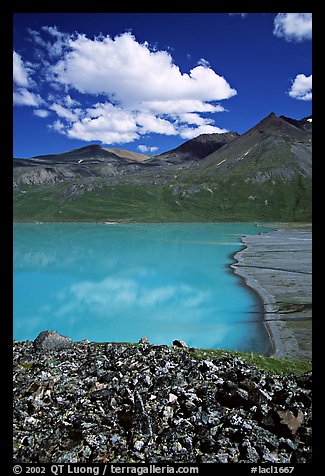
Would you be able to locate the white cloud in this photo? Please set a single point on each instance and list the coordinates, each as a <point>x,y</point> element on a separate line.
<point>55,45</point>
<point>106,123</point>
<point>191,132</point>
<point>69,101</point>
<point>64,112</point>
<point>20,72</point>
<point>41,112</point>
<point>130,72</point>
<point>23,97</point>
<point>145,91</point>
<point>203,62</point>
<point>193,118</point>
<point>151,123</point>
<point>145,148</point>
<point>301,88</point>
<point>180,106</point>
<point>57,126</point>
<point>23,81</point>
<point>293,26</point>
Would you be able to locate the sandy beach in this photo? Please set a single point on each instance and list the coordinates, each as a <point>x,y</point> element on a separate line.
<point>278,266</point>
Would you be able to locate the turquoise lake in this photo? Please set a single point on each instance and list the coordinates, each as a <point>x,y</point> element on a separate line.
<point>122,282</point>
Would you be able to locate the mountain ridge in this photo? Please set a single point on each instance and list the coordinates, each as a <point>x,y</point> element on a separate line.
<point>263,174</point>
<point>197,148</point>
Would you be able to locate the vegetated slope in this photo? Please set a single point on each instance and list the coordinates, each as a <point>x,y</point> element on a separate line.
<point>273,148</point>
<point>264,174</point>
<point>305,123</point>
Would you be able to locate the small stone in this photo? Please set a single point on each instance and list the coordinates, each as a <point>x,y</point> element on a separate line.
<point>138,445</point>
<point>144,340</point>
<point>222,458</point>
<point>172,398</point>
<point>168,412</point>
<point>51,340</point>
<point>180,343</point>
<point>290,420</point>
<point>188,442</point>
<point>178,446</point>
<point>252,454</point>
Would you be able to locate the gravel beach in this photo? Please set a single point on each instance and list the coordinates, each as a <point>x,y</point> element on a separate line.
<point>278,266</point>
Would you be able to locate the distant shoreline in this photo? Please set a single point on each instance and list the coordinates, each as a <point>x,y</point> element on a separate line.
<point>284,286</point>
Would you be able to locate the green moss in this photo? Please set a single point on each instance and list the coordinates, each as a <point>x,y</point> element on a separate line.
<point>52,362</point>
<point>26,365</point>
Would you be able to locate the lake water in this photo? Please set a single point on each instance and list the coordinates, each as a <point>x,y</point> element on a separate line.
<point>122,282</point>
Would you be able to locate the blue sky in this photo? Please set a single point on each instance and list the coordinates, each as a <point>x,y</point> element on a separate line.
<point>148,82</point>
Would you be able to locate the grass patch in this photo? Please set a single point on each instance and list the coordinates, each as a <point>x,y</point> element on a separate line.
<point>212,200</point>
<point>268,364</point>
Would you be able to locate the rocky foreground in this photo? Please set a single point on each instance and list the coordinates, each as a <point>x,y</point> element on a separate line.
<point>117,402</point>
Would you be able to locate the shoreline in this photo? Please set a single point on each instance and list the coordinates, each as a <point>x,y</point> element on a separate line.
<point>250,288</point>
<point>278,269</point>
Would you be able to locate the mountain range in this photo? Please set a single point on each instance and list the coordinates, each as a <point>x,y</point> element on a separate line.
<point>263,174</point>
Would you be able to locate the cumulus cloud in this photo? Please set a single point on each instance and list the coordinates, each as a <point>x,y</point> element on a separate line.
<point>20,72</point>
<point>293,26</point>
<point>57,126</point>
<point>41,113</point>
<point>107,123</point>
<point>151,123</point>
<point>64,112</point>
<point>23,82</point>
<point>301,88</point>
<point>142,90</point>
<point>203,62</point>
<point>145,148</point>
<point>191,132</point>
<point>55,43</point>
<point>69,101</point>
<point>130,72</point>
<point>193,118</point>
<point>23,97</point>
<point>175,107</point>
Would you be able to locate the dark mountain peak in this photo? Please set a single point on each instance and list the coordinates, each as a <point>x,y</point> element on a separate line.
<point>285,127</point>
<point>273,147</point>
<point>82,150</point>
<point>198,147</point>
<point>305,123</point>
<point>215,137</point>
<point>269,120</point>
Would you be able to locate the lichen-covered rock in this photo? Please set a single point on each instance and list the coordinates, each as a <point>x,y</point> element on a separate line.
<point>51,340</point>
<point>114,402</point>
<point>180,343</point>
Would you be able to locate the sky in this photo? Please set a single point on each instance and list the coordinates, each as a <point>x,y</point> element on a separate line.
<point>148,82</point>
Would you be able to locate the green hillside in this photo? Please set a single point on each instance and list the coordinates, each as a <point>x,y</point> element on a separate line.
<point>264,174</point>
